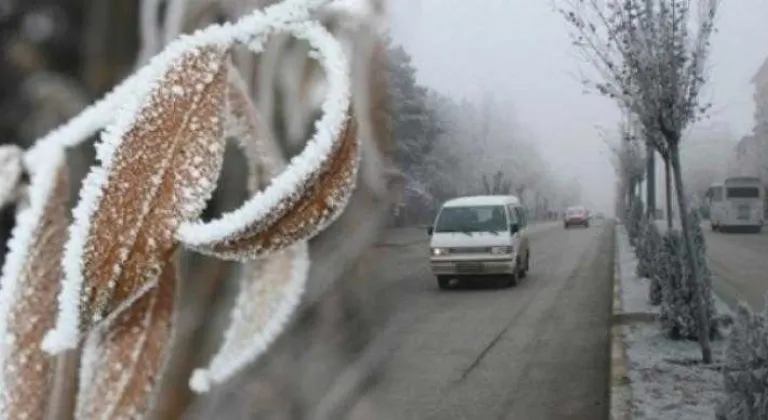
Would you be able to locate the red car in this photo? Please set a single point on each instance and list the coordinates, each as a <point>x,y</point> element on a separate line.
<point>576,216</point>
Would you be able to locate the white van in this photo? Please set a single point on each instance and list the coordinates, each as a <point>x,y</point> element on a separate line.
<point>480,236</point>
<point>737,202</point>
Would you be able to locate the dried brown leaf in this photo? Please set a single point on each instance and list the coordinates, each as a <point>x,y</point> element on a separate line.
<point>31,283</point>
<point>300,216</point>
<point>163,171</point>
<point>123,361</point>
<point>270,288</point>
<point>245,123</point>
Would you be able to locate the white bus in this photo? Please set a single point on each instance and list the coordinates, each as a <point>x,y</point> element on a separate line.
<point>737,203</point>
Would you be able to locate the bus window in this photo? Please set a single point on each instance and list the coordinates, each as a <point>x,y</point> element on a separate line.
<point>743,192</point>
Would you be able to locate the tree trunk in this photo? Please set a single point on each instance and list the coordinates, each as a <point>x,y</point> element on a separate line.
<point>650,182</point>
<point>706,348</point>
<point>668,192</point>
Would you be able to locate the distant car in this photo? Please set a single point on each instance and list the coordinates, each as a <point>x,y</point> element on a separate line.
<point>600,216</point>
<point>576,216</point>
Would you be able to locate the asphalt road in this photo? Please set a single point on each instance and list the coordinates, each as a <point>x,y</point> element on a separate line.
<point>739,262</point>
<point>536,351</point>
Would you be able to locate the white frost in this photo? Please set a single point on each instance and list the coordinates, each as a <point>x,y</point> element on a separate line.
<point>662,387</point>
<point>264,305</point>
<point>126,101</point>
<point>309,161</point>
<point>10,171</point>
<point>43,179</point>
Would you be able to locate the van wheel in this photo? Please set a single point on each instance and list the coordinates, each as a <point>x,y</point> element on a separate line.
<point>523,271</point>
<point>444,282</point>
<point>511,280</point>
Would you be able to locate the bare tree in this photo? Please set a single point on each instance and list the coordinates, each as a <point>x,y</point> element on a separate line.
<point>628,161</point>
<point>650,56</point>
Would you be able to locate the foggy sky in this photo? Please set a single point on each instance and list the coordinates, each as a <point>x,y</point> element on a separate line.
<point>520,51</point>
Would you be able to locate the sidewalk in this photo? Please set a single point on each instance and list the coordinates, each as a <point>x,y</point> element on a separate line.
<point>653,377</point>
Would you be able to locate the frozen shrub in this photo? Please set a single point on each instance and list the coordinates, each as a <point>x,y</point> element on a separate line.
<point>647,248</point>
<point>635,221</point>
<point>745,371</point>
<point>679,303</point>
<point>649,263</point>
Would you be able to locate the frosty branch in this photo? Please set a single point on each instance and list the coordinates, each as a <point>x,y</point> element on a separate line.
<point>107,284</point>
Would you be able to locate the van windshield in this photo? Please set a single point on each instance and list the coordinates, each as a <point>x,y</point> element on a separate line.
<point>472,219</point>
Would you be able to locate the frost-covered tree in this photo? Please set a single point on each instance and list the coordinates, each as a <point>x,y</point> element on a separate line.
<point>412,120</point>
<point>745,371</point>
<point>650,56</point>
<point>496,184</point>
<point>629,163</point>
<point>681,306</point>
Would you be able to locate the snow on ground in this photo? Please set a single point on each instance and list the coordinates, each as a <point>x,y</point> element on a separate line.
<point>666,379</point>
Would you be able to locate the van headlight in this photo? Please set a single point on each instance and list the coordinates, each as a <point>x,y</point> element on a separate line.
<point>439,251</point>
<point>502,250</point>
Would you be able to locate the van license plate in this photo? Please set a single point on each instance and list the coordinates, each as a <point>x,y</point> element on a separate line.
<point>468,267</point>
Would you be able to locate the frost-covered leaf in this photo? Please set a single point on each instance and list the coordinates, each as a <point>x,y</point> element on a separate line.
<point>311,191</point>
<point>123,361</point>
<point>270,288</point>
<point>160,162</point>
<point>29,286</point>
<point>10,172</point>
<point>245,124</point>
<point>304,208</point>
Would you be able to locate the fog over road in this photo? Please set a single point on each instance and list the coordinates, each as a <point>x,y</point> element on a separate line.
<point>538,350</point>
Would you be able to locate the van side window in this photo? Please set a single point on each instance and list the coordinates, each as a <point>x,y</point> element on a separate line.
<point>521,217</point>
<point>717,194</point>
<point>513,216</point>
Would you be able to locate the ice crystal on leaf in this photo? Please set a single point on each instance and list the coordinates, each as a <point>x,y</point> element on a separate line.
<point>271,287</point>
<point>28,290</point>
<point>311,191</point>
<point>109,281</point>
<point>10,172</point>
<point>123,361</point>
<point>270,290</point>
<point>150,181</point>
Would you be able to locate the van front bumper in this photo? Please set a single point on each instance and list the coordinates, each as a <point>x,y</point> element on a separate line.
<point>443,267</point>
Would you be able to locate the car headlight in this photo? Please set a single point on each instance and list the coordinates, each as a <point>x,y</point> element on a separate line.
<point>439,251</point>
<point>498,250</point>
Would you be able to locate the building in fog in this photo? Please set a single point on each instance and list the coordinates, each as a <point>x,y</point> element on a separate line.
<point>760,80</point>
<point>750,156</point>
<point>745,159</point>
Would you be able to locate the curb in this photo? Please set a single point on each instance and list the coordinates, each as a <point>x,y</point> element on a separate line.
<point>618,382</point>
